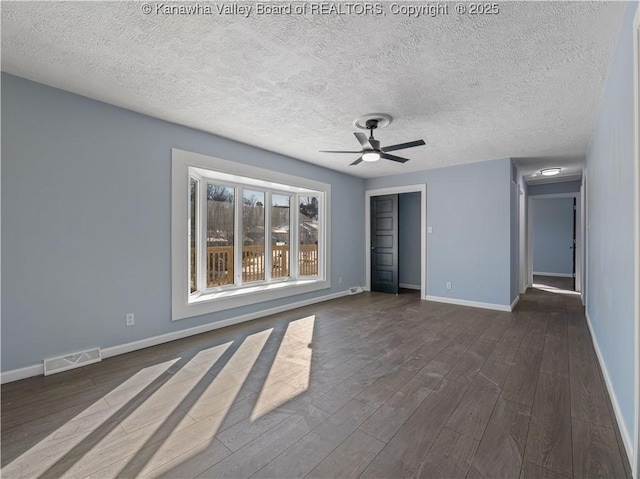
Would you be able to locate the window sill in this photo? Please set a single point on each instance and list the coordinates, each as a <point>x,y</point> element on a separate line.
<point>220,301</point>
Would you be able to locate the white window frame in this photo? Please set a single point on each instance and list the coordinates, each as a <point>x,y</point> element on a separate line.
<point>207,169</point>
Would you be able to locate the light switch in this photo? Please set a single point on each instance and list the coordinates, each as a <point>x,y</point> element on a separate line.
<point>429,229</point>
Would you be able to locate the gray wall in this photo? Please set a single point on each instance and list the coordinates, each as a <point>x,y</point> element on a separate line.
<point>610,199</point>
<point>86,212</point>
<point>409,238</point>
<point>552,235</point>
<point>554,188</point>
<point>468,207</point>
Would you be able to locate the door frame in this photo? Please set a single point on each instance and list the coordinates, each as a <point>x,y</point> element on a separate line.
<point>522,241</point>
<point>422,189</point>
<point>635,466</point>
<point>531,201</point>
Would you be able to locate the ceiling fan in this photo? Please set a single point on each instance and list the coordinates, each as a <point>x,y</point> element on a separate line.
<point>371,150</point>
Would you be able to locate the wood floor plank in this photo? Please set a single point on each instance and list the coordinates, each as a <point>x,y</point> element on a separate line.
<point>155,455</point>
<point>404,453</point>
<point>588,395</point>
<point>558,324</point>
<point>501,450</point>
<point>350,458</point>
<point>535,336</point>
<point>555,356</point>
<point>384,387</point>
<point>103,447</point>
<point>472,415</point>
<point>580,342</point>
<point>498,325</point>
<point>533,471</point>
<point>507,347</point>
<point>495,372</point>
<point>59,428</point>
<point>520,385</point>
<point>468,366</point>
<point>549,439</point>
<point>300,459</point>
<point>595,451</point>
<point>389,417</point>
<point>449,457</point>
<point>248,459</point>
<point>337,397</point>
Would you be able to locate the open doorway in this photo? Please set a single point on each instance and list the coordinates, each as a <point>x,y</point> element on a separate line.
<point>396,239</point>
<point>555,249</point>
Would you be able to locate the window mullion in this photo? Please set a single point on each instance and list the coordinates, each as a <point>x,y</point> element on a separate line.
<point>322,237</point>
<point>295,236</point>
<point>201,249</point>
<point>237,234</point>
<point>268,243</point>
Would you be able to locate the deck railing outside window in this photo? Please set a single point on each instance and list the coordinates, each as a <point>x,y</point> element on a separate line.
<point>220,263</point>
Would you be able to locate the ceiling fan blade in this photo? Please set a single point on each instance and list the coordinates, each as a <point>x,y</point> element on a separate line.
<point>364,141</point>
<point>330,151</point>
<point>402,146</point>
<point>359,160</point>
<point>387,156</point>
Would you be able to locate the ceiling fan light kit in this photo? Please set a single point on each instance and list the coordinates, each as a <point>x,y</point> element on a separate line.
<point>370,156</point>
<point>371,150</point>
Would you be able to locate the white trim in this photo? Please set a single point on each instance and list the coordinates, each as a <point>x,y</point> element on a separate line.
<point>584,260</point>
<point>624,433</point>
<point>185,164</point>
<point>22,373</point>
<point>522,236</point>
<point>410,286</point>
<point>558,275</point>
<point>473,304</point>
<point>515,302</point>
<point>422,189</point>
<point>635,461</point>
<point>38,369</point>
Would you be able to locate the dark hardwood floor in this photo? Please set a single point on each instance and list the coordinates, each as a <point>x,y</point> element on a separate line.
<point>370,385</point>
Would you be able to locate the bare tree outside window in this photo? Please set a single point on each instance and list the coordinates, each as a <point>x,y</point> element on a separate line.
<point>220,235</point>
<point>280,235</point>
<point>253,236</point>
<point>308,235</point>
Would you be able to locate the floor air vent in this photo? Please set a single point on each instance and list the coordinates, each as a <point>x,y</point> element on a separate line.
<point>71,361</point>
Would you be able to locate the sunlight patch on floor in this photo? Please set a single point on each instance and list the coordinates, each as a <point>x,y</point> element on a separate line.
<point>70,434</point>
<point>553,289</point>
<point>293,360</point>
<point>221,394</point>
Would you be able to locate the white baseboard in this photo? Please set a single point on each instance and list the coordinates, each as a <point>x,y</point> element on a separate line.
<point>22,373</point>
<point>473,304</point>
<point>38,369</point>
<point>558,275</point>
<point>410,286</point>
<point>515,302</point>
<point>626,437</point>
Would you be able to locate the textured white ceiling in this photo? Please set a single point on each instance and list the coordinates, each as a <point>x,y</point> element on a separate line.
<point>523,83</point>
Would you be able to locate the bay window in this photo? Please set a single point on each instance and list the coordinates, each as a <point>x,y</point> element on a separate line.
<point>252,235</point>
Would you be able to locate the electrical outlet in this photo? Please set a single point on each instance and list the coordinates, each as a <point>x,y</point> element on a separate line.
<point>448,284</point>
<point>130,319</point>
<point>339,279</point>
